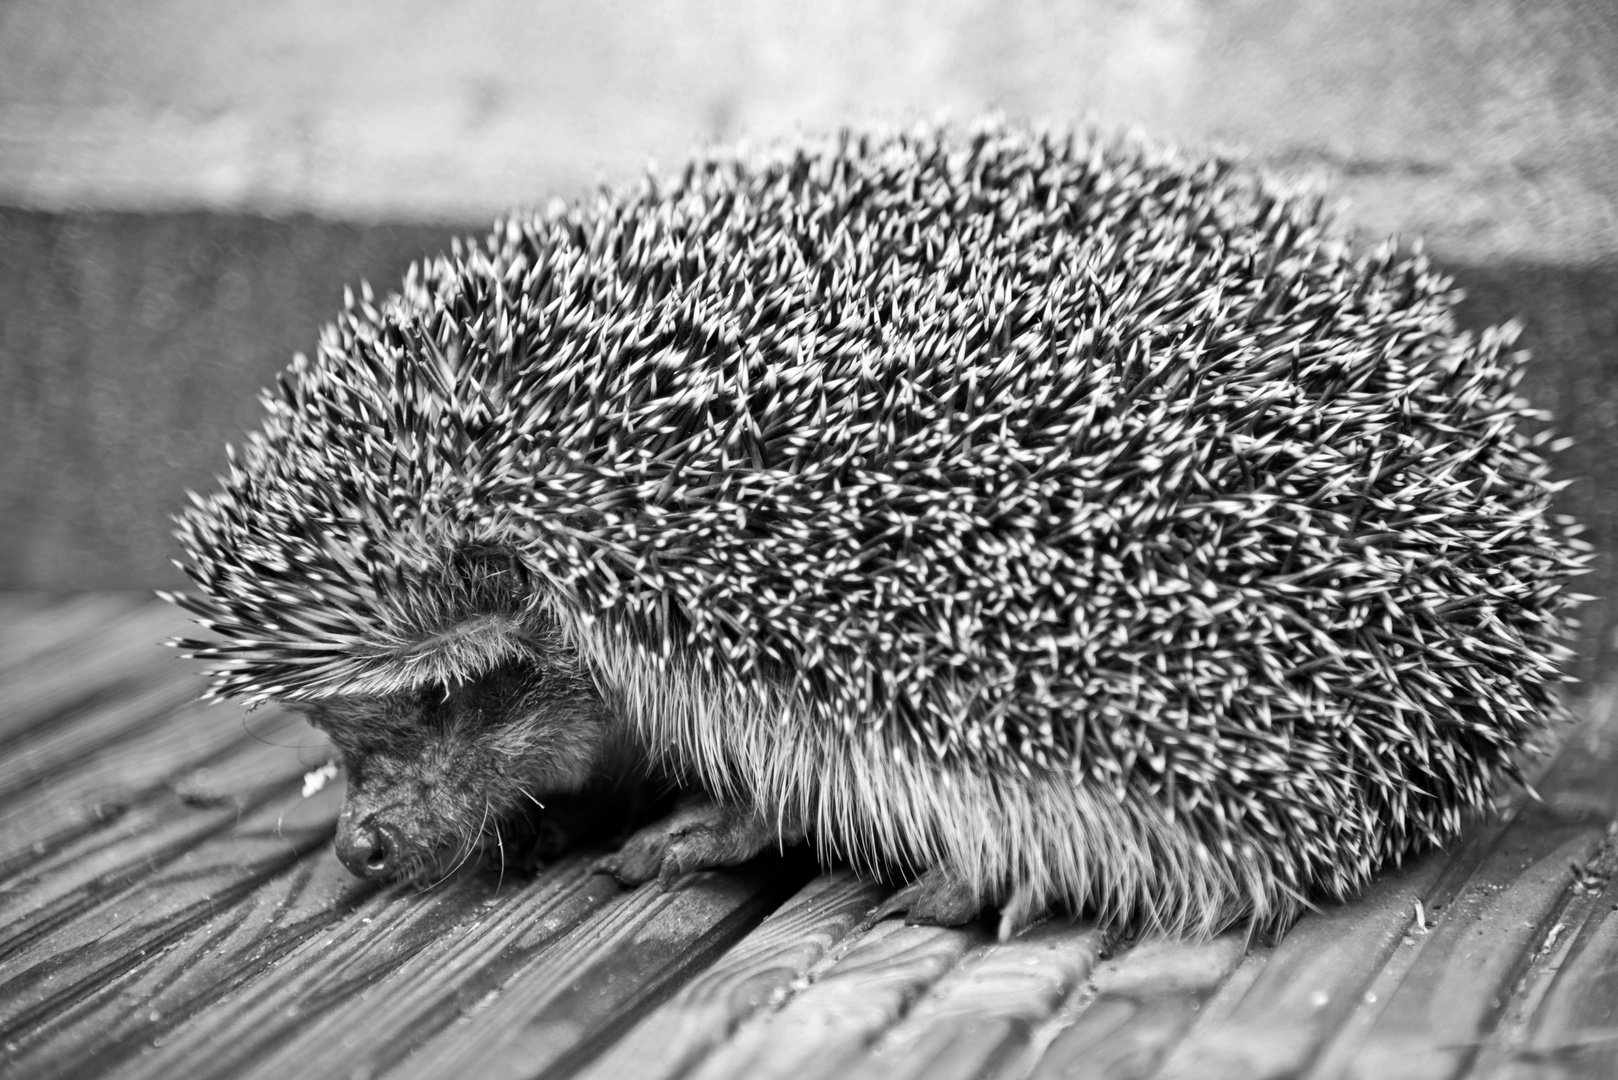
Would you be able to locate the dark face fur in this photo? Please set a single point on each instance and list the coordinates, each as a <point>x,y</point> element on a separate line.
<point>442,775</point>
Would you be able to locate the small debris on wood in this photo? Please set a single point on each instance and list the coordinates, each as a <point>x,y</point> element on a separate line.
<point>316,779</point>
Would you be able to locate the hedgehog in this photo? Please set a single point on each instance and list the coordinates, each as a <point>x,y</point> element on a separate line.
<point>1045,520</point>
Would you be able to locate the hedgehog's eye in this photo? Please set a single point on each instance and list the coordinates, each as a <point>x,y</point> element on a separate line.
<point>437,703</point>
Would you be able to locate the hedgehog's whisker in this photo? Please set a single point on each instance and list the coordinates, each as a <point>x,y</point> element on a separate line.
<point>501,844</point>
<point>467,846</point>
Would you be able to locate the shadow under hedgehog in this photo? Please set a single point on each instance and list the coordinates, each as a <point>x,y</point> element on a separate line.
<point>1048,519</point>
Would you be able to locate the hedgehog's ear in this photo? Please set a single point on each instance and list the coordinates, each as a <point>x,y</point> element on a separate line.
<point>477,600</point>
<point>469,609</point>
<point>466,648</point>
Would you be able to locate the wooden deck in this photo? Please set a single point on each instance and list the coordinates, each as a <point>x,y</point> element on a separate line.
<point>170,907</point>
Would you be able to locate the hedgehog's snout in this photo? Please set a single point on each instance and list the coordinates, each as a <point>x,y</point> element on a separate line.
<point>369,849</point>
<point>392,839</point>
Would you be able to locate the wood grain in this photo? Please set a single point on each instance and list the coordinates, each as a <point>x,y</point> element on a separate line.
<point>33,626</point>
<point>91,667</point>
<point>558,1012</point>
<point>104,863</point>
<point>104,941</point>
<point>64,745</point>
<point>980,1019</point>
<point>1141,1001</point>
<point>1575,1028</point>
<point>826,1027</point>
<point>1564,1019</point>
<point>19,606</point>
<point>392,972</point>
<point>762,972</point>
<point>84,776</point>
<point>1310,982</point>
<point>118,1018</point>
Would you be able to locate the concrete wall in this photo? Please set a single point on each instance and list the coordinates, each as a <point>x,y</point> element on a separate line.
<point>1487,124</point>
<point>185,185</point>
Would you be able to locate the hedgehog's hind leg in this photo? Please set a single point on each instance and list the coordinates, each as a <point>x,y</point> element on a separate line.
<point>939,897</point>
<point>697,835</point>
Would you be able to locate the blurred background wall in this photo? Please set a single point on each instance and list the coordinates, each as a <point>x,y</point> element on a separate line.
<point>186,185</point>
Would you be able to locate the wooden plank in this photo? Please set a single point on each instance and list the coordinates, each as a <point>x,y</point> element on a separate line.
<point>557,1014</point>
<point>397,969</point>
<point>1310,983</point>
<point>93,772</point>
<point>40,624</point>
<point>761,972</point>
<point>424,968</point>
<point>1140,1003</point>
<point>113,937</point>
<point>1446,1003</point>
<point>981,1019</point>
<point>847,1007</point>
<point>69,623</point>
<point>91,668</point>
<point>1565,1018</point>
<point>1463,971</point>
<point>123,1016</point>
<point>19,605</point>
<point>1536,1035</point>
<point>44,754</point>
<point>1575,1031</point>
<point>104,863</point>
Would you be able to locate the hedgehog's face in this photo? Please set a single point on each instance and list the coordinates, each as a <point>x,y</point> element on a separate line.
<point>435,774</point>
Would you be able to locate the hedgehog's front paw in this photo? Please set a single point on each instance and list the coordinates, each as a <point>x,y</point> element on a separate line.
<point>699,834</point>
<point>939,897</point>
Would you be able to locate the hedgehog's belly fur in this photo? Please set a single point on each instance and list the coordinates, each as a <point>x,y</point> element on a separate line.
<point>1048,842</point>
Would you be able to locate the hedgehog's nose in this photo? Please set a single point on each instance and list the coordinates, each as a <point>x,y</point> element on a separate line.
<point>369,851</point>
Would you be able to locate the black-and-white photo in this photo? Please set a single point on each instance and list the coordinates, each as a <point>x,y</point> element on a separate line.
<point>669,540</point>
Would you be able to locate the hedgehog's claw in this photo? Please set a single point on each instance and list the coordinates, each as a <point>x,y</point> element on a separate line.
<point>1022,909</point>
<point>939,897</point>
<point>699,834</point>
